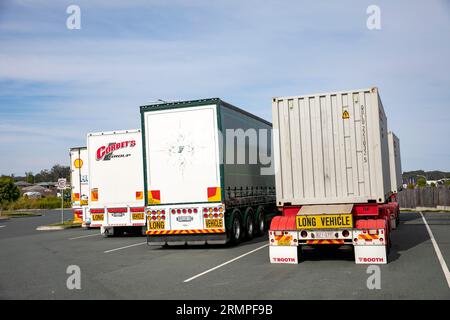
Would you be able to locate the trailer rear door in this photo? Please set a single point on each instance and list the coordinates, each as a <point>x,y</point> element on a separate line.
<point>182,155</point>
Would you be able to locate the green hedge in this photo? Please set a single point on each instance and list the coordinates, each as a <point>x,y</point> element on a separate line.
<point>42,203</point>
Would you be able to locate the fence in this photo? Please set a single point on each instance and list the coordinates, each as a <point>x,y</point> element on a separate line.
<point>424,197</point>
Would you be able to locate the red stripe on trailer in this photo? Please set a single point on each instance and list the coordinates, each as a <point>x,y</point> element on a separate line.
<point>117,210</point>
<point>365,209</point>
<point>141,209</point>
<point>97,210</point>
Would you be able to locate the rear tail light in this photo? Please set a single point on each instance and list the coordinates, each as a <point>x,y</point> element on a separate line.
<point>154,218</point>
<point>216,209</point>
<point>163,217</point>
<point>178,211</point>
<point>216,215</point>
<point>220,215</point>
<point>210,215</point>
<point>210,209</point>
<point>184,210</point>
<point>190,211</point>
<point>205,215</point>
<point>381,239</point>
<point>303,234</point>
<point>205,209</point>
<point>195,210</point>
<point>220,209</point>
<point>153,212</point>
<point>345,233</point>
<point>163,211</point>
<point>355,240</point>
<point>173,211</point>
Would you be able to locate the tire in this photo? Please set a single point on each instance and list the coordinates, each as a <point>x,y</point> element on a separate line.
<point>249,225</point>
<point>236,228</point>
<point>260,222</point>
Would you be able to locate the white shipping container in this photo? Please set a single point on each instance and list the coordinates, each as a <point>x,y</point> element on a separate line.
<point>116,178</point>
<point>395,163</point>
<point>331,148</point>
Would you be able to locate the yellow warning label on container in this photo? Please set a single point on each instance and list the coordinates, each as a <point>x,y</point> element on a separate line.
<point>345,115</point>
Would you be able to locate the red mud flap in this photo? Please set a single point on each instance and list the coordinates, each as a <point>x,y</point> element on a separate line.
<point>283,254</point>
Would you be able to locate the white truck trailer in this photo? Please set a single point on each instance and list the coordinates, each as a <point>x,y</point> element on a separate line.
<point>201,186</point>
<point>116,182</point>
<point>332,175</point>
<point>80,185</point>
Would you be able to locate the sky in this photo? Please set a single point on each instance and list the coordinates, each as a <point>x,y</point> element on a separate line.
<point>57,84</point>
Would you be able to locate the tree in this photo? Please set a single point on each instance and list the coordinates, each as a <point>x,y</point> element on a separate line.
<point>421,182</point>
<point>29,177</point>
<point>8,191</point>
<point>410,186</point>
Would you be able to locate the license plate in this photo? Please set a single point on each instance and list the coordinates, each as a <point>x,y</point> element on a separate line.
<point>324,234</point>
<point>214,223</point>
<point>324,221</point>
<point>137,216</point>
<point>156,225</point>
<point>184,218</point>
<point>97,217</point>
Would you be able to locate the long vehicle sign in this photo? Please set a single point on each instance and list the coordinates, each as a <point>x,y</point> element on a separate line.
<point>324,221</point>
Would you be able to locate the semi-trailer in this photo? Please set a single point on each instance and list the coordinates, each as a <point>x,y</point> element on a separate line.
<point>207,178</point>
<point>80,185</point>
<point>116,182</point>
<point>333,177</point>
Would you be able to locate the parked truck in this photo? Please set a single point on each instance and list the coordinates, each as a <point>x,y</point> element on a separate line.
<point>116,182</point>
<point>201,186</point>
<point>333,178</point>
<point>80,185</point>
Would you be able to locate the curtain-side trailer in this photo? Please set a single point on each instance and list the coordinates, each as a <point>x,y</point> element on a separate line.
<point>207,177</point>
<point>333,176</point>
<point>116,182</point>
<point>80,185</point>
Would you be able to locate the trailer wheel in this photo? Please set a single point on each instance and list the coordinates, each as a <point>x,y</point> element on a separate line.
<point>260,222</point>
<point>236,228</point>
<point>249,224</point>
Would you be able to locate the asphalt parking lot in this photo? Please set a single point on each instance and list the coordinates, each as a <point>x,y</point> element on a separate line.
<point>33,265</point>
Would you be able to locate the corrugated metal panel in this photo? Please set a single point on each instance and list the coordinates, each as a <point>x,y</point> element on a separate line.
<point>331,148</point>
<point>395,163</point>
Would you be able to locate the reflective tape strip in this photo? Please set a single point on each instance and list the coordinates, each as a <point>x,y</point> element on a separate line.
<point>334,241</point>
<point>366,236</point>
<point>195,231</point>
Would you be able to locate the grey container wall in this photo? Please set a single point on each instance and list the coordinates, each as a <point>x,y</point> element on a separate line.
<point>331,148</point>
<point>395,163</point>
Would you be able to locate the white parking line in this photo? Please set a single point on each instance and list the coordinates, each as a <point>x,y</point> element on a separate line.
<point>2,226</point>
<point>225,263</point>
<point>438,251</point>
<point>132,245</point>
<point>90,235</point>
